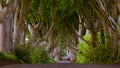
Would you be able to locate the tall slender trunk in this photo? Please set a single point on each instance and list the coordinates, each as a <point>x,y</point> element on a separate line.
<point>19,24</point>
<point>107,32</point>
<point>2,37</point>
<point>94,38</point>
<point>116,43</point>
<point>16,32</point>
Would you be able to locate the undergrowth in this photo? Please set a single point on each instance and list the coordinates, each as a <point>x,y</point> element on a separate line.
<point>5,56</point>
<point>98,55</point>
<point>27,54</point>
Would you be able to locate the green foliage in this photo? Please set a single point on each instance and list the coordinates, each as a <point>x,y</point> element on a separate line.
<point>83,47</point>
<point>27,54</point>
<point>39,55</point>
<point>102,55</point>
<point>99,54</point>
<point>22,53</point>
<point>4,2</point>
<point>3,56</point>
<point>35,4</point>
<point>7,57</point>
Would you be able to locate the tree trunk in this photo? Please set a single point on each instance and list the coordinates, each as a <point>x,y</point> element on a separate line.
<point>8,34</point>
<point>94,38</point>
<point>19,24</point>
<point>2,37</point>
<point>16,29</point>
<point>7,15</point>
<point>116,39</point>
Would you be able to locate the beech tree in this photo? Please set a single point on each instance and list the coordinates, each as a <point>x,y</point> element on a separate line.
<point>7,10</point>
<point>58,24</point>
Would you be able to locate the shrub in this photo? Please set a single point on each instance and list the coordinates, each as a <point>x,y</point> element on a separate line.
<point>83,47</point>
<point>102,55</point>
<point>22,52</point>
<point>3,55</point>
<point>7,56</point>
<point>28,54</point>
<point>99,54</point>
<point>39,55</point>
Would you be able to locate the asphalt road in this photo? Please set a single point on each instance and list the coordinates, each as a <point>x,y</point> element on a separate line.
<point>58,65</point>
<point>64,61</point>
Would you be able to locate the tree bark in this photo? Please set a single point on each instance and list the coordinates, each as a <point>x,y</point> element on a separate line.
<point>2,37</point>
<point>94,39</point>
<point>6,16</point>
